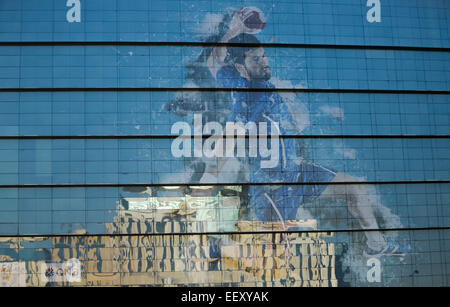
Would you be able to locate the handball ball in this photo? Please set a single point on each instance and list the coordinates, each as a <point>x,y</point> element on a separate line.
<point>253,19</point>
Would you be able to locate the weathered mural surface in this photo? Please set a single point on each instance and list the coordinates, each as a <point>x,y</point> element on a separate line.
<point>222,144</point>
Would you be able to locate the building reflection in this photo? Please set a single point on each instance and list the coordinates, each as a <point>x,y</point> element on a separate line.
<point>166,237</point>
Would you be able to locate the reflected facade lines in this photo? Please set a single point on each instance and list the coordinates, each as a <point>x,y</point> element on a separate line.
<point>314,148</point>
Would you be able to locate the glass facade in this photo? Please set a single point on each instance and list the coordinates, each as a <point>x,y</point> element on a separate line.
<point>224,143</point>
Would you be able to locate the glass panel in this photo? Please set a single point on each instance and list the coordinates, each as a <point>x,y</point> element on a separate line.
<point>324,259</point>
<point>187,67</point>
<point>155,113</point>
<point>222,209</point>
<point>418,23</point>
<point>271,160</point>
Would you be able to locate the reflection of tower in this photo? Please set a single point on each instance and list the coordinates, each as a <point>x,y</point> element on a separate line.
<point>177,258</point>
<point>277,259</point>
<point>163,241</point>
<point>242,260</point>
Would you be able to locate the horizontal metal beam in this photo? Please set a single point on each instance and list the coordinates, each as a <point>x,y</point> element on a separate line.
<point>173,136</point>
<point>221,44</point>
<point>187,184</point>
<point>220,89</point>
<point>227,232</point>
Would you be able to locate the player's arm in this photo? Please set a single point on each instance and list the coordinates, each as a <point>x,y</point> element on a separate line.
<point>216,60</point>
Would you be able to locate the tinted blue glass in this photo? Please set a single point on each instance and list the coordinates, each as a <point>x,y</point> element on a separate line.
<point>357,163</point>
<point>403,23</point>
<point>130,66</point>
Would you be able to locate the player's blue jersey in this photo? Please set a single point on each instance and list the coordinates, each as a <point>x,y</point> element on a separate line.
<point>268,106</point>
<point>261,107</point>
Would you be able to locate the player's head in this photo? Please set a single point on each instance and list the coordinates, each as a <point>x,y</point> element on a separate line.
<point>250,61</point>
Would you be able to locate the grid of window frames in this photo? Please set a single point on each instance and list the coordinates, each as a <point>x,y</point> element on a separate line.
<point>88,179</point>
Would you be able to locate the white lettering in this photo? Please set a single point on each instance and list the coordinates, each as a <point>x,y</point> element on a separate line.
<point>216,139</point>
<point>74,14</point>
<point>374,14</point>
<point>214,144</point>
<point>184,140</point>
<point>274,151</point>
<point>198,133</point>
<point>374,273</point>
<point>230,128</point>
<point>246,296</point>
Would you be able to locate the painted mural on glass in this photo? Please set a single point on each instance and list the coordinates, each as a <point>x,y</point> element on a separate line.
<point>236,177</point>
